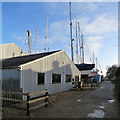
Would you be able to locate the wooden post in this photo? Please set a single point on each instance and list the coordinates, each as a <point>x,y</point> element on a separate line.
<point>7,100</point>
<point>82,84</point>
<point>46,99</point>
<point>28,105</point>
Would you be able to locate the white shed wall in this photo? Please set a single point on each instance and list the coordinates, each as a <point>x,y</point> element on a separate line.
<point>58,63</point>
<point>10,78</point>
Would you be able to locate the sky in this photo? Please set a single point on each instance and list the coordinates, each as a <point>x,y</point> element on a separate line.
<point>98,23</point>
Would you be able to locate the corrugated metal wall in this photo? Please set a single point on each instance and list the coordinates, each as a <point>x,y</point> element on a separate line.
<point>58,63</point>
<point>10,79</point>
<point>10,50</point>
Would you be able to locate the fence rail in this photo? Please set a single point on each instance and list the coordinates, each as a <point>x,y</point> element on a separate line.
<point>12,97</point>
<point>33,100</point>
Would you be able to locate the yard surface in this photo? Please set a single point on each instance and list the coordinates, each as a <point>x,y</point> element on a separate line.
<point>96,103</point>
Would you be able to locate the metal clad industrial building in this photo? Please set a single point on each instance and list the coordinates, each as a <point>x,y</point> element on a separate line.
<point>10,50</point>
<point>54,63</point>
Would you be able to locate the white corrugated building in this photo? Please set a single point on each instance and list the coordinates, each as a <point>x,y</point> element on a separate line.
<point>10,50</point>
<point>50,70</point>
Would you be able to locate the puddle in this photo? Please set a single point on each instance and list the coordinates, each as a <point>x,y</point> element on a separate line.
<point>110,101</point>
<point>102,107</point>
<point>96,114</point>
<point>79,100</point>
<point>102,87</point>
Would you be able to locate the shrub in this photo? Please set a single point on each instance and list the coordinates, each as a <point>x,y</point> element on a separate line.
<point>117,88</point>
<point>117,83</point>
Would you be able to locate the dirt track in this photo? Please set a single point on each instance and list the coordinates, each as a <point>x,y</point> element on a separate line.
<point>98,103</point>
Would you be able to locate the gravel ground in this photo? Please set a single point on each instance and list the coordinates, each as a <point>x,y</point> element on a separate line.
<point>96,103</point>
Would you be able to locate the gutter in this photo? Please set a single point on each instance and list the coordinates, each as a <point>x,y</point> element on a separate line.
<point>12,67</point>
<point>9,67</point>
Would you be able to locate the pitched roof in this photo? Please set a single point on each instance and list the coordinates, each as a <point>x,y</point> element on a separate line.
<point>85,66</point>
<point>16,61</point>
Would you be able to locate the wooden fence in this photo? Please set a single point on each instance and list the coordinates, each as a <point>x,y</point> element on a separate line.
<point>13,98</point>
<point>35,99</point>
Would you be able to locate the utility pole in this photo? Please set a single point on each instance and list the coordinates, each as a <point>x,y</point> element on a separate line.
<point>72,56</point>
<point>46,33</point>
<point>26,41</point>
<point>82,48</point>
<point>36,40</point>
<point>77,43</point>
<point>79,40</point>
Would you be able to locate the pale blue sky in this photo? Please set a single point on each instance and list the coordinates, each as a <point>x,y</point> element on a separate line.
<point>98,21</point>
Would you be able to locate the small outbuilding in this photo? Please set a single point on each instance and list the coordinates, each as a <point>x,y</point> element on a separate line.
<point>50,70</point>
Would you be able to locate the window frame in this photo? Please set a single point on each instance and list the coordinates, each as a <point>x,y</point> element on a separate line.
<point>56,81</point>
<point>38,78</point>
<point>70,77</point>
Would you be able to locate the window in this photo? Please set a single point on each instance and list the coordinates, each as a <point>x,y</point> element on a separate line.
<point>68,78</point>
<point>56,78</point>
<point>40,78</point>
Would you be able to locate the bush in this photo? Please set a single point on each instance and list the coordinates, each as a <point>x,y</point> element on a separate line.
<point>117,88</point>
<point>117,83</point>
<point>113,74</point>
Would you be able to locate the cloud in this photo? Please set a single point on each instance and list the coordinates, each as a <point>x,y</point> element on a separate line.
<point>94,44</point>
<point>59,28</point>
<point>94,31</point>
<point>76,7</point>
<point>101,25</point>
<point>92,6</point>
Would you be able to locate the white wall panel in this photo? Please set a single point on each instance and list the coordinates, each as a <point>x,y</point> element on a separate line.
<point>58,63</point>
<point>10,78</point>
